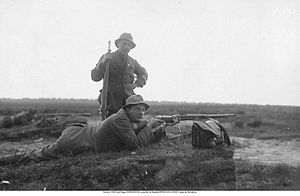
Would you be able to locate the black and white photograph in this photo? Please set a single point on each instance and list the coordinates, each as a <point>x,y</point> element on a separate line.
<point>149,96</point>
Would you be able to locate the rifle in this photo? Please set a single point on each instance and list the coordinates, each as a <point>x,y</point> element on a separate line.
<point>103,107</point>
<point>169,118</point>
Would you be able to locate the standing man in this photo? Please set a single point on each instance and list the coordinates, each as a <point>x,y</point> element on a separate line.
<point>125,74</point>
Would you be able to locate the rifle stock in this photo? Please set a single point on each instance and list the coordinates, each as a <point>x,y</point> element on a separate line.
<point>103,106</point>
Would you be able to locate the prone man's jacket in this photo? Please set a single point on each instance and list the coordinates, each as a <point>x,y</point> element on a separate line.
<point>122,71</point>
<point>113,134</point>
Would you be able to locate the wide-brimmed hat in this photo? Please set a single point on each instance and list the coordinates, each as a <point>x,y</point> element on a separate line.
<point>125,36</point>
<point>135,100</point>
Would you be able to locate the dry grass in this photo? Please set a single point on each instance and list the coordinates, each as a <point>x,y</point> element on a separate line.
<point>82,173</point>
<point>258,176</point>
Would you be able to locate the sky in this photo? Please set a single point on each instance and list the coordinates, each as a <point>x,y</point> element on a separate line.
<point>216,51</point>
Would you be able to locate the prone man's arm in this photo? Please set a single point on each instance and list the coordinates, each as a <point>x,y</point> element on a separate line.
<point>126,133</point>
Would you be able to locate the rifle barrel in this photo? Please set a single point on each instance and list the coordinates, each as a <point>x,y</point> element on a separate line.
<point>203,116</point>
<point>169,118</point>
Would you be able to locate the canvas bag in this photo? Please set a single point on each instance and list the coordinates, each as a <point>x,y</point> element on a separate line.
<point>209,134</point>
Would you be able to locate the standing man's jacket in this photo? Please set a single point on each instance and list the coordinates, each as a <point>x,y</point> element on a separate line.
<point>121,78</point>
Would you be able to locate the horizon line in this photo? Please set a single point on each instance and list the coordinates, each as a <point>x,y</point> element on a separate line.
<point>164,101</point>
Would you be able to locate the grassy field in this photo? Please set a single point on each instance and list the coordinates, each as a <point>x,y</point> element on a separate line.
<point>260,122</point>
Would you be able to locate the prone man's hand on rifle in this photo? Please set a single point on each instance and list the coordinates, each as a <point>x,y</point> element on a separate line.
<point>153,122</point>
<point>175,120</point>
